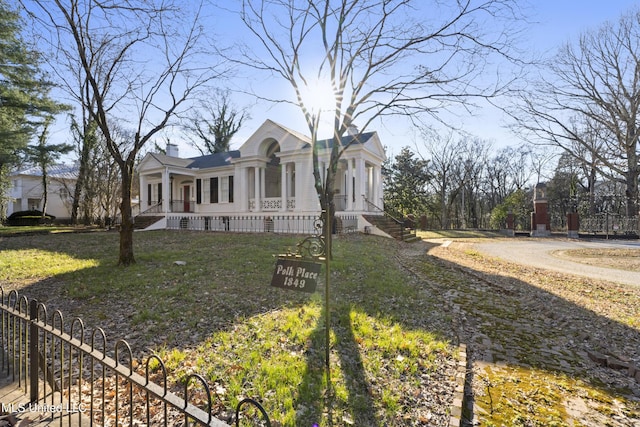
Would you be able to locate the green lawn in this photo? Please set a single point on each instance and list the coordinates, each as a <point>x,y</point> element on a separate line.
<point>218,316</point>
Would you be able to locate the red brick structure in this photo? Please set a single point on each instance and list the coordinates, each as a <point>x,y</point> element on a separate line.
<point>540,223</point>
<point>573,225</point>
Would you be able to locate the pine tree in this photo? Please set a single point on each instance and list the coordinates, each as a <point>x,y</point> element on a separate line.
<point>44,156</point>
<point>24,93</point>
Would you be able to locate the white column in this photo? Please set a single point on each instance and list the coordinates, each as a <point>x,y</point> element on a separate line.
<point>143,193</point>
<point>349,189</point>
<point>263,183</point>
<point>361,179</point>
<point>241,198</point>
<point>256,182</point>
<point>301,189</point>
<point>378,186</point>
<point>165,191</point>
<point>283,186</point>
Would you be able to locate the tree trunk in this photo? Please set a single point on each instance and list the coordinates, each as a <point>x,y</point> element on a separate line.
<point>631,192</point>
<point>77,192</point>
<point>126,228</point>
<point>44,193</point>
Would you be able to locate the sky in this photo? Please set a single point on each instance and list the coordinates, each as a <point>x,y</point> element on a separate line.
<point>552,24</point>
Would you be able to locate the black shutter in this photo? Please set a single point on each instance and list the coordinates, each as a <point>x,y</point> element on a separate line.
<point>159,192</point>
<point>148,194</point>
<point>231,189</point>
<point>198,191</point>
<point>213,190</point>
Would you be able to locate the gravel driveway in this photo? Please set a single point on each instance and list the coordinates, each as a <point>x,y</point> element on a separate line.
<point>537,253</point>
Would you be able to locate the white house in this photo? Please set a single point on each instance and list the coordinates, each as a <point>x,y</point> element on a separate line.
<point>27,192</point>
<point>268,182</point>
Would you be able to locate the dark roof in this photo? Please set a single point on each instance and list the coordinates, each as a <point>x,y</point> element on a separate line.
<point>213,160</point>
<point>361,138</point>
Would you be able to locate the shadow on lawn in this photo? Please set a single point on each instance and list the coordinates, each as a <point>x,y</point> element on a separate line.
<point>133,300</point>
<point>492,308</point>
<point>517,332</point>
<point>360,398</point>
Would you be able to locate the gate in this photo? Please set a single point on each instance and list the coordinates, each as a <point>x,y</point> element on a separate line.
<point>67,375</point>
<point>608,224</point>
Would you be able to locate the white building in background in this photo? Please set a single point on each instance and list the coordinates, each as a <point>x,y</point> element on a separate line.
<point>27,191</point>
<point>270,176</point>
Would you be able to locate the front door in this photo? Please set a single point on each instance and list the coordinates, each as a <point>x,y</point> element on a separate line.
<point>186,198</point>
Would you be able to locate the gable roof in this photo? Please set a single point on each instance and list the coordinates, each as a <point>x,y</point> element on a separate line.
<point>200,162</point>
<point>214,160</point>
<point>58,171</point>
<point>346,140</point>
<point>165,160</point>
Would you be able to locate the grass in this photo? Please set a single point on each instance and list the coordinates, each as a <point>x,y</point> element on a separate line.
<point>532,322</point>
<point>39,229</point>
<point>218,316</point>
<point>623,259</point>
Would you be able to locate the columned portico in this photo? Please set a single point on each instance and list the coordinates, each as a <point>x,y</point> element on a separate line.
<point>271,174</point>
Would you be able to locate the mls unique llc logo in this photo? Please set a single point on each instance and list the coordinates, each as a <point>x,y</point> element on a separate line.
<point>13,408</point>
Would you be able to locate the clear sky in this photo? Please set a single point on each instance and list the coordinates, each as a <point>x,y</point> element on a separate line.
<point>553,22</point>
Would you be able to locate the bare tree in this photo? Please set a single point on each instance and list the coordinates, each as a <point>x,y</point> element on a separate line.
<point>376,58</point>
<point>595,83</point>
<point>139,64</point>
<point>474,153</point>
<point>445,167</point>
<point>215,123</point>
<point>507,171</point>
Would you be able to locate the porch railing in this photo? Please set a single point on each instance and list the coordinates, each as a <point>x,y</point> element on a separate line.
<point>154,208</point>
<point>71,373</point>
<point>273,204</point>
<point>182,206</point>
<point>286,224</point>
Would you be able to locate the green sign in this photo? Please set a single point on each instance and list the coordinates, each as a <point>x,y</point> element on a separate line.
<point>296,274</point>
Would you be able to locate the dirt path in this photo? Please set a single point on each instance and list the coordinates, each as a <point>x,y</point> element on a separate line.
<point>539,253</point>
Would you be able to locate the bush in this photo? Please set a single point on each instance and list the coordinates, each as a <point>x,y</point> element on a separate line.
<point>26,218</point>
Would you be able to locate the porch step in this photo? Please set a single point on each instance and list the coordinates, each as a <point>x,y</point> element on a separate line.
<point>143,221</point>
<point>391,227</point>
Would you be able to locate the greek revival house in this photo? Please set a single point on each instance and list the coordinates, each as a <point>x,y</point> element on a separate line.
<point>266,185</point>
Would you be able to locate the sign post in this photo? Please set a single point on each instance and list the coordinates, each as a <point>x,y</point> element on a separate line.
<point>300,270</point>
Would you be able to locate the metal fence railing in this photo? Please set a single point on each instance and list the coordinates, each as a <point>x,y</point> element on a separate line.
<point>610,225</point>
<point>67,374</point>
<point>285,224</point>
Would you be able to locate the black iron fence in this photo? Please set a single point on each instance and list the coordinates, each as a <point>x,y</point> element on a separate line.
<point>68,375</point>
<point>610,224</point>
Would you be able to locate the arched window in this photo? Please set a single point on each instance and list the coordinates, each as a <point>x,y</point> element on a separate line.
<point>273,175</point>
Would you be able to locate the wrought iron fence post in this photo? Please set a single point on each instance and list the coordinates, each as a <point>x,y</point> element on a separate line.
<point>33,351</point>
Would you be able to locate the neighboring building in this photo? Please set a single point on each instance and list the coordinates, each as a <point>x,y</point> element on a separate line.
<point>27,192</point>
<point>269,177</point>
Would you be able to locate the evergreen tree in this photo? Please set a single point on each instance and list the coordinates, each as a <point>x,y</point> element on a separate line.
<point>24,93</point>
<point>405,188</point>
<point>44,156</point>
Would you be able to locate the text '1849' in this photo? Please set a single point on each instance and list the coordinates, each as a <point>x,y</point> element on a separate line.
<point>296,274</point>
